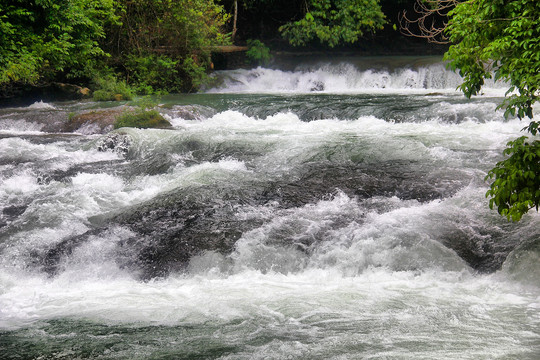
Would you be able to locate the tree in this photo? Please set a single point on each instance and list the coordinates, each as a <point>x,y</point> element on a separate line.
<point>501,39</point>
<point>260,19</point>
<point>166,44</point>
<point>497,39</point>
<point>516,186</point>
<point>156,44</point>
<point>335,22</point>
<point>431,23</point>
<point>45,39</point>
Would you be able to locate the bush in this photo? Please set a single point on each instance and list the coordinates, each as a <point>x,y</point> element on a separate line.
<point>53,40</point>
<point>142,119</point>
<point>516,186</point>
<point>108,88</point>
<point>194,73</point>
<point>152,73</point>
<point>258,53</point>
<point>162,74</point>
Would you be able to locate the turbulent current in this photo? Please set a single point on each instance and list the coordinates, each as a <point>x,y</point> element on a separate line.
<point>323,211</point>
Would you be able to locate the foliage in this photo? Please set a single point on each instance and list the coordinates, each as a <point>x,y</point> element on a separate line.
<point>159,45</point>
<point>334,22</point>
<point>258,53</point>
<point>166,44</point>
<point>500,37</point>
<point>43,39</point>
<point>175,26</point>
<point>143,117</point>
<point>516,186</point>
<point>150,73</point>
<point>108,88</point>
<point>142,120</point>
<point>503,38</point>
<point>195,73</point>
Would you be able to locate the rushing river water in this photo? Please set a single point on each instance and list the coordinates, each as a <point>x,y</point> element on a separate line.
<point>332,211</point>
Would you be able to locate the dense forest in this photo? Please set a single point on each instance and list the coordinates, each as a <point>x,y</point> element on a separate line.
<point>149,46</point>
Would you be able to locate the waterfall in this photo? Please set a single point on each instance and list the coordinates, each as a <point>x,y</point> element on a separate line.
<point>345,78</point>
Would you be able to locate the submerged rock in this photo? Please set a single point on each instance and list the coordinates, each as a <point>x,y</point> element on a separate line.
<point>10,213</point>
<point>165,233</point>
<point>485,250</point>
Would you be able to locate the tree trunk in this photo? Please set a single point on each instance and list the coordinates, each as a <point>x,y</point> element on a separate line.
<point>234,20</point>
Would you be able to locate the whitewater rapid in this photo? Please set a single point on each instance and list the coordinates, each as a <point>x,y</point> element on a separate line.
<point>273,221</point>
<point>346,78</point>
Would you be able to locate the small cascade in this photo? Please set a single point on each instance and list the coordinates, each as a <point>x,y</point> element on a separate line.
<point>341,78</point>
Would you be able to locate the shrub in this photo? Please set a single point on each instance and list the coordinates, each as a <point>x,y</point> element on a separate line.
<point>258,53</point>
<point>142,120</point>
<point>194,74</point>
<point>108,88</point>
<point>148,73</point>
<point>516,186</point>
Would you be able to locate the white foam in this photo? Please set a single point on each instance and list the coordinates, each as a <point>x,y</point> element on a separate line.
<point>301,297</point>
<point>345,78</point>
<point>20,184</point>
<point>20,150</point>
<point>41,105</point>
<point>10,126</point>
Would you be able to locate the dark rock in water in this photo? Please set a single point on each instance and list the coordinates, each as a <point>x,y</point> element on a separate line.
<point>170,229</point>
<point>400,179</point>
<point>49,260</point>
<point>115,142</point>
<point>485,250</point>
<point>10,213</point>
<point>14,210</point>
<point>188,112</point>
<point>317,86</point>
<point>98,167</point>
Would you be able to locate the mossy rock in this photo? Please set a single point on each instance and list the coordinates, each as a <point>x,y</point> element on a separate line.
<point>95,121</point>
<point>143,119</point>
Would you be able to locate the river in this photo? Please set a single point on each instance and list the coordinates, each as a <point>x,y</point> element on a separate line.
<point>324,210</point>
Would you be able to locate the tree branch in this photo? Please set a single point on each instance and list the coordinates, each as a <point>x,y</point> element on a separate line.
<point>426,26</point>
